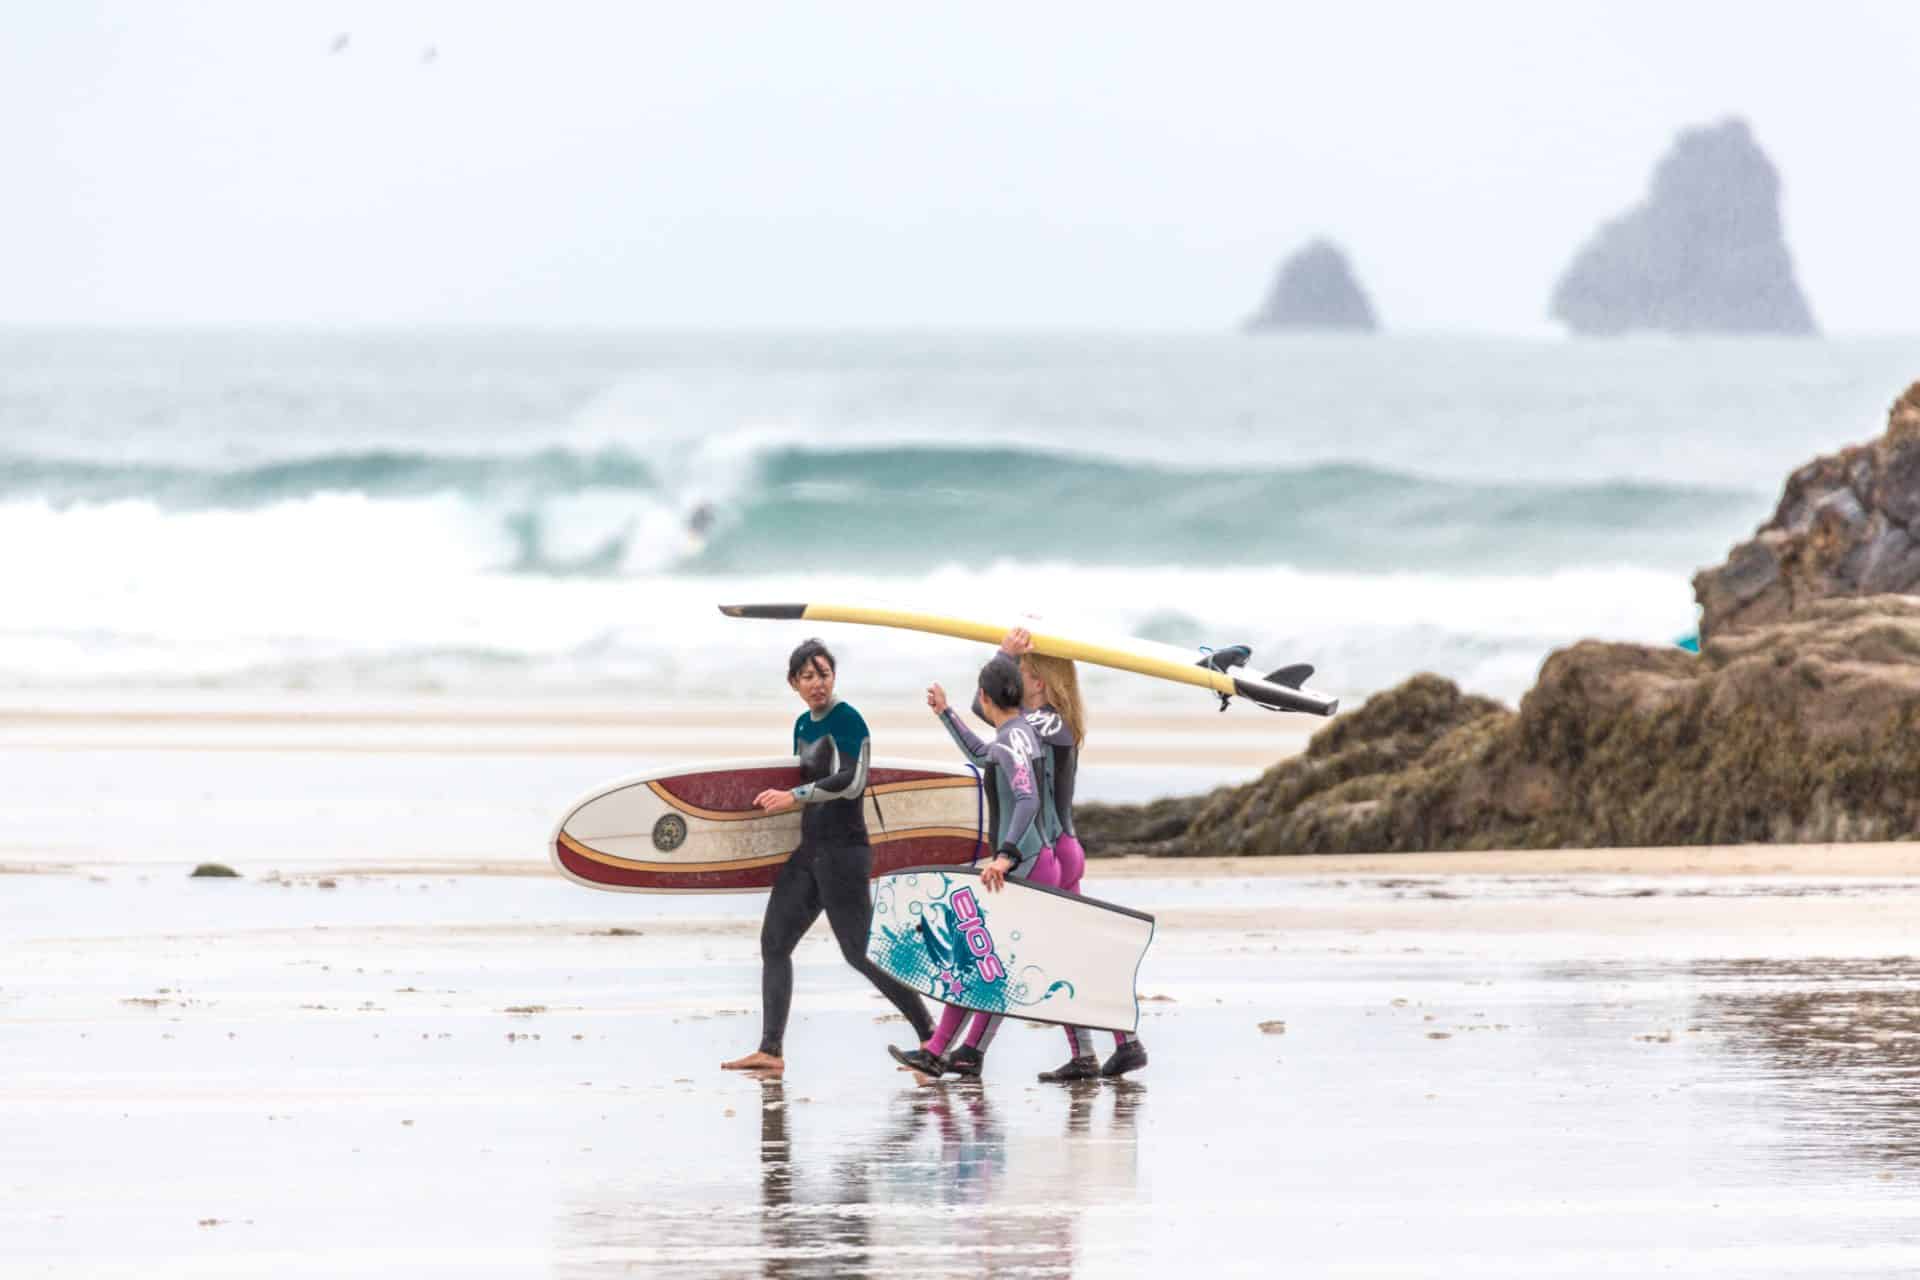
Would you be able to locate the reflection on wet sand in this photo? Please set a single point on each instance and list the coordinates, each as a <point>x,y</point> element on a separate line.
<point>1840,1040</point>
<point>945,1187</point>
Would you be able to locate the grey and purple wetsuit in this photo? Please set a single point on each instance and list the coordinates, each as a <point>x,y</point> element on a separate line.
<point>1010,761</point>
<point>1059,767</point>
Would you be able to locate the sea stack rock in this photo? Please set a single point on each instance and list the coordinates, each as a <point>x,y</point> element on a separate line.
<point>1704,254</point>
<point>1316,289</point>
<point>1847,525</point>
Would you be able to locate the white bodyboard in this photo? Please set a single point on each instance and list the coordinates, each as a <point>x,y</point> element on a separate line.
<point>1027,951</point>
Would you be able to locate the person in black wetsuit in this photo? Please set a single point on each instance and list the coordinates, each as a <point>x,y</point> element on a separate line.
<point>833,866</point>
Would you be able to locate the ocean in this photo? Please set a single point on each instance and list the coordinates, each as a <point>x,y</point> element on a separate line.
<point>529,512</point>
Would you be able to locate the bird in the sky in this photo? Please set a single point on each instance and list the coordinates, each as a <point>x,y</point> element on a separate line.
<point>340,42</point>
<point>429,54</point>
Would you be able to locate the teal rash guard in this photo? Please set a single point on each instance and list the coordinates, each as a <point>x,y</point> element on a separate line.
<point>832,811</point>
<point>828,872</point>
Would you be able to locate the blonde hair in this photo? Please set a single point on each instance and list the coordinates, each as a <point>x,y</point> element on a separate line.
<point>1062,679</point>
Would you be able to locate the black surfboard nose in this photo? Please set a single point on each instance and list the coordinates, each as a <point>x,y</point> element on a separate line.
<point>778,612</point>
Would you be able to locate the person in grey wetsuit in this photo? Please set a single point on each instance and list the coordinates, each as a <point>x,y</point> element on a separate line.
<point>1014,808</point>
<point>831,869</point>
<point>1052,704</point>
<point>1059,730</point>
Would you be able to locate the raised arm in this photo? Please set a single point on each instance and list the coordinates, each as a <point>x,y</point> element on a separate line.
<point>970,746</point>
<point>1019,641</point>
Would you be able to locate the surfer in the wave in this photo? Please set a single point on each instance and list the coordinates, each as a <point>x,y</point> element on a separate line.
<point>1014,800</point>
<point>701,519</point>
<point>832,868</point>
<point>1051,703</point>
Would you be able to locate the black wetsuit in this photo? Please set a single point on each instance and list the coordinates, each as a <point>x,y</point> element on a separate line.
<point>831,871</point>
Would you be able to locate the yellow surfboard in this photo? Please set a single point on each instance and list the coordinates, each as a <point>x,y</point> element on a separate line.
<point>1208,669</point>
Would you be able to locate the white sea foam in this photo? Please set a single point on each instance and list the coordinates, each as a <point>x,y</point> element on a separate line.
<point>340,588</point>
<point>485,510</point>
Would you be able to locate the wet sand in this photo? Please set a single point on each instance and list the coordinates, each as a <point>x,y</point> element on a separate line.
<point>400,1045</point>
<point>482,1076</point>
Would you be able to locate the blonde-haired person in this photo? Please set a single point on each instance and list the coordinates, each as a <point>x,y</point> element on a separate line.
<point>1058,717</point>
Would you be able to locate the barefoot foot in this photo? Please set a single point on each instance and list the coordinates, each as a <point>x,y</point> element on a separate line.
<point>765,1063</point>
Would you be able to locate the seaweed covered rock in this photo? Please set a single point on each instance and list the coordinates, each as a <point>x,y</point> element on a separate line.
<point>1355,754</point>
<point>1135,828</point>
<point>1705,253</point>
<point>1848,524</point>
<point>1340,790</point>
<point>1807,730</point>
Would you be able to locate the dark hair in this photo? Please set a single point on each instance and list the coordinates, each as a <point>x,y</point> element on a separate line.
<point>1000,682</point>
<point>803,655</point>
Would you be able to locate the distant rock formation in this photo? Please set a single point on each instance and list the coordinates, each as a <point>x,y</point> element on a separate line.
<point>1847,525</point>
<point>1803,731</point>
<point>1315,289</point>
<point>1704,254</point>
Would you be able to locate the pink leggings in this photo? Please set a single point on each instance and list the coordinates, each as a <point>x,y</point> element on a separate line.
<point>1073,865</point>
<point>1044,870</point>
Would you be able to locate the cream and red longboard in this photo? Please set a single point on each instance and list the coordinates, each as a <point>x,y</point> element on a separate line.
<point>694,829</point>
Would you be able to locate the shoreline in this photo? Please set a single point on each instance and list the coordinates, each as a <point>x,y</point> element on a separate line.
<point>1879,860</point>
<point>435,786</point>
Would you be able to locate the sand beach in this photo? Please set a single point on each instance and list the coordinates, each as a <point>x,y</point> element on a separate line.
<point>417,419</point>
<point>397,1043</point>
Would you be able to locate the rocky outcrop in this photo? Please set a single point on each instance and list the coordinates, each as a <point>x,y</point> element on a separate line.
<point>1315,289</point>
<point>1847,525</point>
<point>1704,254</point>
<point>1803,730</point>
<point>1391,733</point>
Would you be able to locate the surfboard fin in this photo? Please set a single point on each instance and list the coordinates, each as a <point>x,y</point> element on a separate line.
<point>1224,660</point>
<point>1293,677</point>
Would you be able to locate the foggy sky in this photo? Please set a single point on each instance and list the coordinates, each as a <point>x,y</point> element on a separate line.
<point>886,164</point>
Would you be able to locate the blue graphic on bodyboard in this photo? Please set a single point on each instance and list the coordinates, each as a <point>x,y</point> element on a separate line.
<point>926,947</point>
